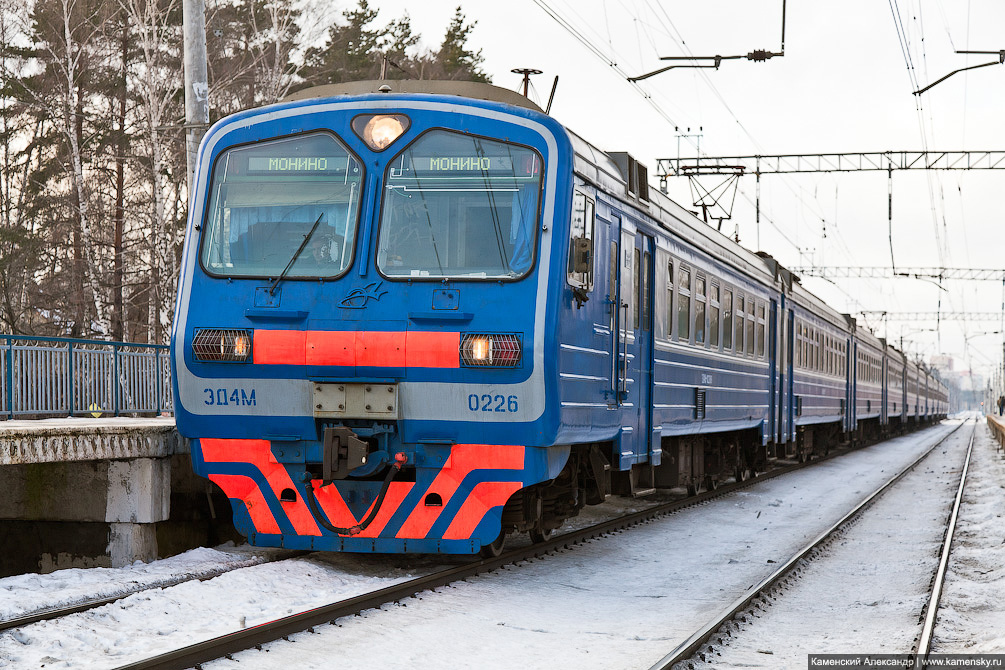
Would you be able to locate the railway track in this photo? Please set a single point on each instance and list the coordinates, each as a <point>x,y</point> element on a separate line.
<point>924,645</point>
<point>255,637</point>
<point>697,646</point>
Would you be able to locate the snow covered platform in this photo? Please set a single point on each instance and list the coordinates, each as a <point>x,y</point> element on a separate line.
<point>87,439</point>
<point>83,492</point>
<point>996,424</point>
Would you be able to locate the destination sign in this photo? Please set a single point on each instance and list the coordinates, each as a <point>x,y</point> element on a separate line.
<point>463,163</point>
<point>297,163</point>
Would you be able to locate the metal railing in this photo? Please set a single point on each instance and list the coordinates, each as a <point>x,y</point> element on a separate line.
<point>58,376</point>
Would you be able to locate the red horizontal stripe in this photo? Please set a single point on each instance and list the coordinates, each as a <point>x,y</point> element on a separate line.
<point>347,348</point>
<point>331,347</point>
<point>432,350</point>
<point>280,347</point>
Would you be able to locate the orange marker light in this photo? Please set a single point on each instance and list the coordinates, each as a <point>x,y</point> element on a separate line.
<point>380,131</point>
<point>481,349</point>
<point>242,346</point>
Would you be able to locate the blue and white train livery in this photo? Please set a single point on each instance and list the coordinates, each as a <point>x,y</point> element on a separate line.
<point>418,316</point>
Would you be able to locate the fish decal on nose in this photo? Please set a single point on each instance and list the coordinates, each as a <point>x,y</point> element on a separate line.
<point>358,298</point>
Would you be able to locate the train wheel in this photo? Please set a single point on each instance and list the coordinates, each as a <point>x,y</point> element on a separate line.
<point>742,473</point>
<point>494,549</point>
<point>710,483</point>
<point>538,534</point>
<point>692,488</point>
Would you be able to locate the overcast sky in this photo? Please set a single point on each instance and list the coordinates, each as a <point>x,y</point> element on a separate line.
<point>843,85</point>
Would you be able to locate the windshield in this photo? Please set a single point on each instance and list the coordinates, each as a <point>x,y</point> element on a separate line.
<point>460,206</point>
<point>266,198</point>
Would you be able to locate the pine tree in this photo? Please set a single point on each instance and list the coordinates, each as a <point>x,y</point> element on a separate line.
<point>350,54</point>
<point>454,58</point>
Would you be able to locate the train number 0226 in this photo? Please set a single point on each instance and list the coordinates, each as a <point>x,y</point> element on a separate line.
<point>487,402</point>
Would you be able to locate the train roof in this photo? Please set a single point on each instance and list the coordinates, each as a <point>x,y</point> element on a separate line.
<point>601,168</point>
<point>464,89</point>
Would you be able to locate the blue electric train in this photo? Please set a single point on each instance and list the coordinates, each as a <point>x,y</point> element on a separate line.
<point>418,316</point>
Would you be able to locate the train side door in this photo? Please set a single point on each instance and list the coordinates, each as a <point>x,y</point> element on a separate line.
<point>617,314</point>
<point>643,279</point>
<point>884,412</point>
<point>635,335</point>
<point>786,401</point>
<point>774,353</point>
<point>850,401</point>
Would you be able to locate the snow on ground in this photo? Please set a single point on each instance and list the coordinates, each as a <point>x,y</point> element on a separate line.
<point>972,615</point>
<point>617,602</point>
<point>26,594</point>
<point>865,593</point>
<point>156,621</point>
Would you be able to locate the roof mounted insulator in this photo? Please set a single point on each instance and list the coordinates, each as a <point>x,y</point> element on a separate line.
<point>384,89</point>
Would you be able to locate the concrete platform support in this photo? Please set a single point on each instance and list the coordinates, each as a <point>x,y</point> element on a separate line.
<point>130,542</point>
<point>79,493</point>
<point>138,496</point>
<point>127,497</point>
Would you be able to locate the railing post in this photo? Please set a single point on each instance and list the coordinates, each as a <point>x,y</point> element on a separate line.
<point>157,377</point>
<point>69,349</point>
<point>9,381</point>
<point>115,378</point>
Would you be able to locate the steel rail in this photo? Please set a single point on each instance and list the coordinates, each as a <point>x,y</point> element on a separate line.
<point>254,637</point>
<point>925,641</point>
<point>693,644</point>
<point>51,613</point>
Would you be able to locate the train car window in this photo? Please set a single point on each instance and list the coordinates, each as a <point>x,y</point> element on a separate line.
<point>727,319</point>
<point>459,206</point>
<point>760,330</point>
<point>750,328</point>
<point>684,305</point>
<point>801,345</point>
<point>266,197</point>
<point>699,309</point>
<point>808,343</point>
<point>636,287</point>
<point>811,348</point>
<point>646,298</point>
<point>713,316</point>
<point>738,335</point>
<point>580,271</point>
<point>818,351</point>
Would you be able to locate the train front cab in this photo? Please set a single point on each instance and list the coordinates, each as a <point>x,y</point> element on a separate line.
<point>359,346</point>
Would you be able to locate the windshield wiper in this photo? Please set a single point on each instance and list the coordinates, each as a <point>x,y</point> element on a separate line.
<point>296,255</point>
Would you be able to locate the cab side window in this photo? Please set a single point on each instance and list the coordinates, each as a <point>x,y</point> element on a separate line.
<point>581,242</point>
<point>684,305</point>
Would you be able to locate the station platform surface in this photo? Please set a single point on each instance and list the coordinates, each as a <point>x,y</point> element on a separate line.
<point>88,439</point>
